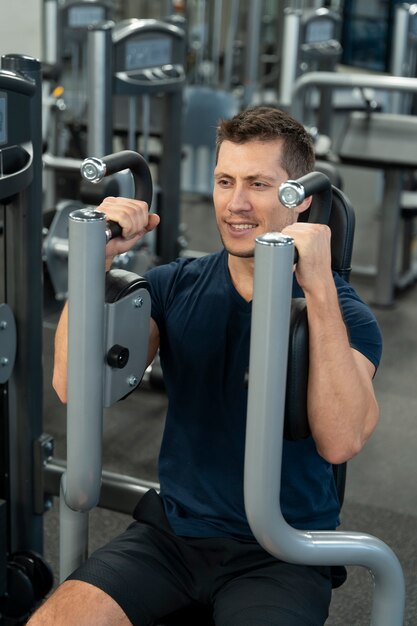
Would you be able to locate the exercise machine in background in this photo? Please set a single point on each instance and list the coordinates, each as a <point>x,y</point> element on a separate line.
<point>25,577</point>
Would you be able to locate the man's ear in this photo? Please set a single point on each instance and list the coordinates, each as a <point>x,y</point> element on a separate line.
<point>304,205</point>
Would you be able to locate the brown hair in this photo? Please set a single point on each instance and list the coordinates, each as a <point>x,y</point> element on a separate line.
<point>264,123</point>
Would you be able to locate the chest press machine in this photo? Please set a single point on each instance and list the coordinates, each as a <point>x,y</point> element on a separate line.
<point>269,415</point>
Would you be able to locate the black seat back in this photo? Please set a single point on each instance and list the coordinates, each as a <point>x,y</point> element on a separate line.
<point>342,226</point>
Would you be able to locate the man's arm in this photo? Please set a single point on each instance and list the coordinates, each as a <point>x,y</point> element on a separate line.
<point>136,221</point>
<point>342,407</point>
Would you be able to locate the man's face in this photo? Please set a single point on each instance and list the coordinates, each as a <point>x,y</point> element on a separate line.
<point>246,181</point>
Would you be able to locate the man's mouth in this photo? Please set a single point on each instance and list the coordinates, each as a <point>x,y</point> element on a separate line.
<point>241,226</point>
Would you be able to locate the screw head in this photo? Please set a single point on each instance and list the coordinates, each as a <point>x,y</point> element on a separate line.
<point>132,381</point>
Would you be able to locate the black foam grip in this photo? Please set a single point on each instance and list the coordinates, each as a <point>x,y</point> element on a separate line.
<point>318,185</point>
<point>114,228</point>
<point>129,159</point>
<point>296,424</point>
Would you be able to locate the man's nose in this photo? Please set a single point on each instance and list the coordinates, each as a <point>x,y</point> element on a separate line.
<point>239,200</point>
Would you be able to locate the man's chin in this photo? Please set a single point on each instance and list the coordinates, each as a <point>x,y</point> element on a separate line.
<point>242,254</point>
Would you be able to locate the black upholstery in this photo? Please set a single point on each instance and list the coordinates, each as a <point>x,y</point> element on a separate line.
<point>342,224</point>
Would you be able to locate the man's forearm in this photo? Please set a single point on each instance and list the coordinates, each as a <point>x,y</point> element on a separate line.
<point>59,379</point>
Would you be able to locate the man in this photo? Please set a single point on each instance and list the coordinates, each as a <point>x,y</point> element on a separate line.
<point>192,543</point>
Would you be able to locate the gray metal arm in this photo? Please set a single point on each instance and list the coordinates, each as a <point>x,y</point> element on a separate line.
<point>80,485</point>
<point>264,435</point>
<point>348,80</point>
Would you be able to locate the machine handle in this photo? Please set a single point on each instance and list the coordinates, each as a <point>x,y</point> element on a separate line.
<point>94,170</point>
<point>293,192</point>
<point>113,230</point>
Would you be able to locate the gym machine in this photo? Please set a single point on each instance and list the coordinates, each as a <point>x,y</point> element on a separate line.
<point>377,140</point>
<point>274,259</point>
<point>127,62</point>
<point>25,578</point>
<point>310,42</point>
<point>97,379</point>
<point>403,62</point>
<point>141,59</point>
<point>65,29</point>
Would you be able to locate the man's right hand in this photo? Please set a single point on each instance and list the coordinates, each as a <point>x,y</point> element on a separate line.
<point>135,220</point>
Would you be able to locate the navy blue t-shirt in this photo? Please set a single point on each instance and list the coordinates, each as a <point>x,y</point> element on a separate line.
<point>204,327</point>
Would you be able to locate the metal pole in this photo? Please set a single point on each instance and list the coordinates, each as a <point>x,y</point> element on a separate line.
<point>274,257</point>
<point>230,40</point>
<point>50,31</point>
<point>86,273</point>
<point>348,80</point>
<point>82,481</point>
<point>388,238</point>
<point>215,41</point>
<point>201,50</point>
<point>251,82</point>
<point>289,55</point>
<point>100,92</point>
<point>73,536</point>
<point>399,54</point>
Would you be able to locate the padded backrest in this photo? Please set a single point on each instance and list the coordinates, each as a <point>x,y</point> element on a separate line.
<point>342,225</point>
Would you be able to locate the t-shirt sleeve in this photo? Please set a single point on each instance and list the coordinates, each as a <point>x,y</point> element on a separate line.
<point>162,283</point>
<point>362,327</point>
<point>159,279</point>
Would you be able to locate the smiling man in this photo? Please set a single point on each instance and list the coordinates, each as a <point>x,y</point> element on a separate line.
<point>191,543</point>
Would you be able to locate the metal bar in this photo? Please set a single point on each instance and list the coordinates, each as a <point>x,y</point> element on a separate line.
<point>230,41</point>
<point>73,536</point>
<point>86,282</point>
<point>388,238</point>
<point>119,492</point>
<point>62,164</point>
<point>80,485</point>
<point>50,31</point>
<point>146,124</point>
<point>289,55</point>
<point>399,52</point>
<point>132,124</point>
<point>251,81</point>
<point>348,80</point>
<point>215,41</point>
<point>265,422</point>
<point>100,93</point>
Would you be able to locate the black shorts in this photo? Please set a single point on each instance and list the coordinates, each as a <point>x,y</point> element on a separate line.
<point>151,573</point>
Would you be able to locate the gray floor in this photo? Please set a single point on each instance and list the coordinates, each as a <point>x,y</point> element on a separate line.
<point>381,496</point>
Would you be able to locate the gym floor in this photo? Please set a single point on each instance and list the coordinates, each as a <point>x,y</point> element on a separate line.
<point>380,493</point>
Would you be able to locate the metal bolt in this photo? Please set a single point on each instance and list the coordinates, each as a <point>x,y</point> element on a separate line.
<point>132,381</point>
<point>90,172</point>
<point>4,361</point>
<point>138,302</point>
<point>3,325</point>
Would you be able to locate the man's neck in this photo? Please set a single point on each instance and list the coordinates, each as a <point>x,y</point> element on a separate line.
<point>241,274</point>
